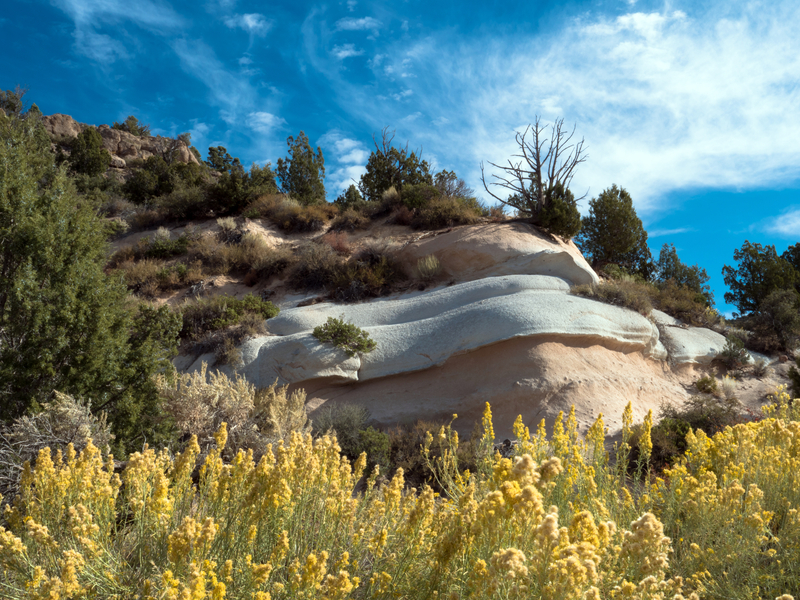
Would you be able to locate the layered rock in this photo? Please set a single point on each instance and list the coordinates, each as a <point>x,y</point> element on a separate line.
<point>469,253</point>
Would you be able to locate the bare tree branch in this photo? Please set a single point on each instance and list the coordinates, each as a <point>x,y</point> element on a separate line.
<point>545,163</point>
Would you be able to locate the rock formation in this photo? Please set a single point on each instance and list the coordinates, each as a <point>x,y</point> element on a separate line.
<point>506,332</point>
<point>122,146</point>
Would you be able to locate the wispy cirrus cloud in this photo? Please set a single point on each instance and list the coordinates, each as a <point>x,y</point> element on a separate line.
<point>253,23</point>
<point>362,24</point>
<point>654,233</point>
<point>230,91</point>
<point>785,225</point>
<point>264,122</point>
<point>347,158</point>
<point>346,51</point>
<point>703,97</point>
<point>90,16</point>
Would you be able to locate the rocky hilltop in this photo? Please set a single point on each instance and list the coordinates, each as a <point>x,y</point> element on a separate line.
<point>122,146</point>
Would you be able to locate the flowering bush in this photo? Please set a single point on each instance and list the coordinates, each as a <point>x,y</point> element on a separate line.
<point>557,521</point>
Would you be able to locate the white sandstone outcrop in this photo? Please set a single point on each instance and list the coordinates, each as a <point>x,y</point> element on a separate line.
<point>468,253</point>
<point>426,330</point>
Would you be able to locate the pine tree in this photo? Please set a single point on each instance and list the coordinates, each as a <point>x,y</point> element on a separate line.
<point>64,324</point>
<point>88,155</point>
<point>612,233</point>
<point>302,173</point>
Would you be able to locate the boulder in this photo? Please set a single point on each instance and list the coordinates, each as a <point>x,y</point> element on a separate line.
<point>469,253</point>
<point>62,126</point>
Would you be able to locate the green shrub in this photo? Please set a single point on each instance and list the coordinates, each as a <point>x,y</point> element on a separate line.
<point>161,247</point>
<point>133,126</point>
<point>627,294</point>
<point>794,377</point>
<point>418,195</point>
<point>376,446</point>
<point>220,312</point>
<point>704,413</point>
<point>707,385</point>
<point>347,420</point>
<point>350,220</point>
<point>445,212</point>
<point>346,336</point>
<point>560,215</point>
<point>775,324</point>
<point>349,423</point>
<point>733,355</point>
<point>371,272</point>
<point>88,156</point>
<point>289,216</point>
<point>316,267</point>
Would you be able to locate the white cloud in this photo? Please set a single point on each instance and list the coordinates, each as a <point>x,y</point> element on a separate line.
<point>264,122</point>
<point>346,51</point>
<point>665,100</point>
<point>663,232</point>
<point>245,60</point>
<point>351,5</point>
<point>99,47</point>
<point>362,24</point>
<point>348,158</point>
<point>253,23</point>
<point>90,16</point>
<point>785,225</point>
<point>231,92</point>
<point>403,95</point>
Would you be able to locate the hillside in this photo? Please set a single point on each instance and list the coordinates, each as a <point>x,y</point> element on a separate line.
<point>490,318</point>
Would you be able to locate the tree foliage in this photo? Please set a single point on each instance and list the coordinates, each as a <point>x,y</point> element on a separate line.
<point>350,198</point>
<point>389,166</point>
<point>133,126</point>
<point>612,233</point>
<point>64,324</point>
<point>760,272</point>
<point>669,267</point>
<point>220,160</point>
<point>302,173</point>
<point>88,156</point>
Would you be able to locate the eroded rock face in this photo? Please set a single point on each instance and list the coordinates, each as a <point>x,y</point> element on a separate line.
<point>120,144</point>
<point>536,377</point>
<point>59,125</point>
<point>469,253</point>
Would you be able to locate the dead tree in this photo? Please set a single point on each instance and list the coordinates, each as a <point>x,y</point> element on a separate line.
<point>544,165</point>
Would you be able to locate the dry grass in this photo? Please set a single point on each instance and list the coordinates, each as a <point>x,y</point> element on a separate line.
<point>289,216</point>
<point>350,220</point>
<point>200,402</point>
<point>338,241</point>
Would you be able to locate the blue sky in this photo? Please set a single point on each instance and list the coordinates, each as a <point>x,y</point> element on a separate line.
<point>690,106</point>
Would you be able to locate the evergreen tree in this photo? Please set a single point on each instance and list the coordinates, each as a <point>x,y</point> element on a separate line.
<point>88,155</point>
<point>612,233</point>
<point>133,126</point>
<point>65,324</point>
<point>220,160</point>
<point>388,166</point>
<point>670,267</point>
<point>560,215</point>
<point>760,272</point>
<point>350,198</point>
<point>302,173</point>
